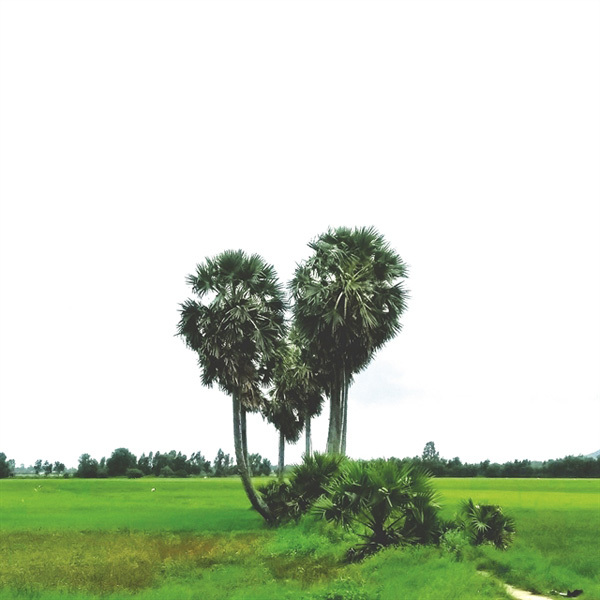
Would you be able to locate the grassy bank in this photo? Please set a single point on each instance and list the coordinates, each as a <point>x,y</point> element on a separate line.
<point>197,538</point>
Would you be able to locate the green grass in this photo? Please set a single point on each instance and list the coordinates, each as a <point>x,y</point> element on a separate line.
<point>197,538</point>
<point>558,530</point>
<point>207,505</point>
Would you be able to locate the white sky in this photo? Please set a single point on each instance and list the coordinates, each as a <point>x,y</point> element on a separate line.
<point>137,138</point>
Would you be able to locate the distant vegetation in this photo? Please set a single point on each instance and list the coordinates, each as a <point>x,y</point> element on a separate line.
<point>124,463</point>
<point>569,466</point>
<point>176,464</point>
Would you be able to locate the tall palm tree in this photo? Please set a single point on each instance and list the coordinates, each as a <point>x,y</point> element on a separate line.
<point>295,397</point>
<point>348,299</point>
<point>288,421</point>
<point>235,327</point>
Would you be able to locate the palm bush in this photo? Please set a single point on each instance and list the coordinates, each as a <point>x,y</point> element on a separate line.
<point>280,499</point>
<point>308,482</point>
<point>486,524</point>
<point>310,479</point>
<point>383,503</point>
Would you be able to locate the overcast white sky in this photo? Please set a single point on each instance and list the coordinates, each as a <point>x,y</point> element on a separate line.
<point>139,137</point>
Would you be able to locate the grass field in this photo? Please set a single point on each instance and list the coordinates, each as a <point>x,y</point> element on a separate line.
<point>197,538</point>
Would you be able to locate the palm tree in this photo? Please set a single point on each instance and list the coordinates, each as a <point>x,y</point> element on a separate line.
<point>288,420</point>
<point>295,397</point>
<point>347,304</point>
<point>235,327</point>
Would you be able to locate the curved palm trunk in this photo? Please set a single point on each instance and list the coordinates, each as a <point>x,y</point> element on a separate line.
<point>245,440</point>
<point>281,463</point>
<point>307,435</point>
<point>257,502</point>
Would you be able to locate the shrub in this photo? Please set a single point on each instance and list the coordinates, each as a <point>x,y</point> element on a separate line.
<point>486,524</point>
<point>180,473</point>
<point>167,472</point>
<point>455,542</point>
<point>385,504</point>
<point>281,500</point>
<point>308,482</point>
<point>310,478</point>
<point>134,473</point>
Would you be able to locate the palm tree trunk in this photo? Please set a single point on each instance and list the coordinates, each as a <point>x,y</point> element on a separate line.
<point>281,463</point>
<point>257,502</point>
<point>344,416</point>
<point>307,434</point>
<point>334,437</point>
<point>245,440</point>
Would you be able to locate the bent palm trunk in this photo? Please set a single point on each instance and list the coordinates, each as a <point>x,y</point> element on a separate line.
<point>257,502</point>
<point>245,440</point>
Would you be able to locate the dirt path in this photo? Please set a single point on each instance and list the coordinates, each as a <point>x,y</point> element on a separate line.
<point>523,595</point>
<point>517,593</point>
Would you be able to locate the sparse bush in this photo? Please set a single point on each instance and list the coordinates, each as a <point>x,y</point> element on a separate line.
<point>134,473</point>
<point>455,542</point>
<point>167,472</point>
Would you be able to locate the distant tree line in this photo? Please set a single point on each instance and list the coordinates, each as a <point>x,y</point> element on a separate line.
<point>175,464</point>
<point>569,466</point>
<point>168,464</point>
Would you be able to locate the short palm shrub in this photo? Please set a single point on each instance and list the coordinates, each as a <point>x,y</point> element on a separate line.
<point>311,478</point>
<point>281,501</point>
<point>307,483</point>
<point>486,524</point>
<point>384,503</point>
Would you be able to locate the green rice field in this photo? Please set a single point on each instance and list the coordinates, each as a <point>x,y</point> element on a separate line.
<point>198,538</point>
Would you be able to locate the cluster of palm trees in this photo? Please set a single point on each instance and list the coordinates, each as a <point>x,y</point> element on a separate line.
<point>345,303</point>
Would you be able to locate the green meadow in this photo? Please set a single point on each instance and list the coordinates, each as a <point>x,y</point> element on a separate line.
<point>198,538</point>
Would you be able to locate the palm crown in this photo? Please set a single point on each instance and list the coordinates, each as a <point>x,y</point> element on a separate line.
<point>237,325</point>
<point>347,295</point>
